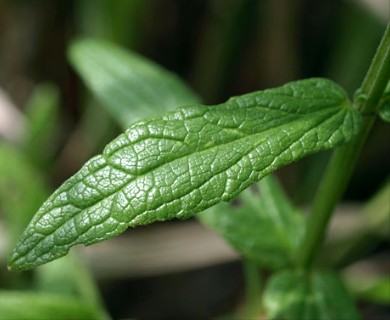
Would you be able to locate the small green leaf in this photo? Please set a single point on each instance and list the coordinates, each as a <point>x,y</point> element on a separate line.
<point>368,287</point>
<point>129,86</point>
<point>318,295</point>
<point>384,111</point>
<point>22,189</point>
<point>31,305</point>
<point>185,162</point>
<point>42,115</point>
<point>264,226</point>
<point>69,276</point>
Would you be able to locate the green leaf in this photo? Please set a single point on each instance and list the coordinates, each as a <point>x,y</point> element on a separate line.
<point>69,276</point>
<point>30,305</point>
<point>22,189</point>
<point>379,292</point>
<point>319,295</point>
<point>384,111</point>
<point>185,162</point>
<point>130,86</point>
<point>263,227</point>
<point>368,287</point>
<point>42,114</point>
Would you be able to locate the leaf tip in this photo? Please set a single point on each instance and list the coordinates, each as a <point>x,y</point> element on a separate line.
<point>12,264</point>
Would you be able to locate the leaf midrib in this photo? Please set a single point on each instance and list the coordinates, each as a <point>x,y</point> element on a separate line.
<point>108,163</point>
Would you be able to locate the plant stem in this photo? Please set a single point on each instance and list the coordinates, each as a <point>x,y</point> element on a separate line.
<point>252,288</point>
<point>342,163</point>
<point>377,77</point>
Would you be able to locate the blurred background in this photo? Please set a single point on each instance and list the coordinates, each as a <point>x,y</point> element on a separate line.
<point>50,125</point>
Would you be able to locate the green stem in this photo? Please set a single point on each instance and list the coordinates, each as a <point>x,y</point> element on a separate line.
<point>342,163</point>
<point>252,288</point>
<point>377,77</point>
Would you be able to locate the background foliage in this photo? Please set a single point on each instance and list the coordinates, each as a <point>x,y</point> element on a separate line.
<point>220,48</point>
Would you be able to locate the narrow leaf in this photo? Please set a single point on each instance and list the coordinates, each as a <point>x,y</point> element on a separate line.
<point>373,288</point>
<point>31,305</point>
<point>263,226</point>
<point>42,111</point>
<point>68,276</point>
<point>129,86</point>
<point>185,162</point>
<point>319,295</point>
<point>22,190</point>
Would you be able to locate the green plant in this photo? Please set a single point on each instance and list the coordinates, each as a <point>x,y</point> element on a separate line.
<point>191,159</point>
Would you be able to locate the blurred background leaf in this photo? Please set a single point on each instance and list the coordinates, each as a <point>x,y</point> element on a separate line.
<point>120,21</point>
<point>371,288</point>
<point>130,86</point>
<point>318,295</point>
<point>42,114</point>
<point>359,233</point>
<point>32,305</point>
<point>70,277</point>
<point>221,48</point>
<point>22,190</point>
<point>261,224</point>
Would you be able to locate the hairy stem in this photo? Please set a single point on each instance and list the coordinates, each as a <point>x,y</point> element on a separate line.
<point>342,163</point>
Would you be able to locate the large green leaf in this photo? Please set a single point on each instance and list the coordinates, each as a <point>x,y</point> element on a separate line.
<point>130,86</point>
<point>31,305</point>
<point>264,226</point>
<point>186,161</point>
<point>302,296</point>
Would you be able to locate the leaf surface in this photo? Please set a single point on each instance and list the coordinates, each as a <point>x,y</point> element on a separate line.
<point>31,305</point>
<point>318,295</point>
<point>187,161</point>
<point>22,190</point>
<point>42,113</point>
<point>129,86</point>
<point>263,226</point>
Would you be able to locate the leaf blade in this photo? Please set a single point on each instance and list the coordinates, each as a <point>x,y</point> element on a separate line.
<point>130,86</point>
<point>182,163</point>
<point>264,227</point>
<point>22,189</point>
<point>319,295</point>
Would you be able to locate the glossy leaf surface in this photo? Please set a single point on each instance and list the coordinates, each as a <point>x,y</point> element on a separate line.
<point>263,226</point>
<point>129,86</point>
<point>317,295</point>
<point>24,305</point>
<point>185,162</point>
